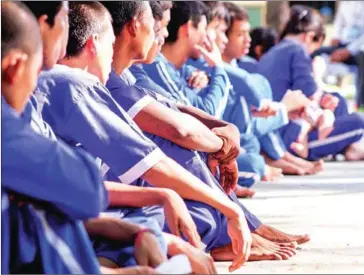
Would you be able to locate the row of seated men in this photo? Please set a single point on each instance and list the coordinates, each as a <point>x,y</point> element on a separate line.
<point>129,129</point>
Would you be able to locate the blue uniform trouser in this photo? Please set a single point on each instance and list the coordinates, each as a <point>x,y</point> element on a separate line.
<point>251,164</point>
<point>273,145</point>
<point>348,129</point>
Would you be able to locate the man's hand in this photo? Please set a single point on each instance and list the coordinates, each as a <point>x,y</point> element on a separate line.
<point>295,100</point>
<point>198,80</point>
<point>241,240</point>
<point>201,262</point>
<point>329,102</point>
<point>211,53</point>
<point>266,110</point>
<point>147,250</point>
<point>231,147</point>
<point>340,55</point>
<point>229,173</point>
<point>179,219</point>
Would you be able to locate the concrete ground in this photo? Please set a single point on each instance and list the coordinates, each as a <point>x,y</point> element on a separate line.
<point>328,206</point>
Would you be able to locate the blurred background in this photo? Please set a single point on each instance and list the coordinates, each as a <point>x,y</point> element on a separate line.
<point>338,77</point>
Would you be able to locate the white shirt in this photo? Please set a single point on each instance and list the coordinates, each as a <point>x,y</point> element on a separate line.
<point>349,25</point>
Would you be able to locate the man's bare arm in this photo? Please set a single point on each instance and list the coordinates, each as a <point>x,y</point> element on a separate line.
<point>179,128</point>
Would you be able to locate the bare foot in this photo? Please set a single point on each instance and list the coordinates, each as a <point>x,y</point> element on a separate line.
<point>261,250</point>
<point>310,167</point>
<point>288,168</point>
<point>354,153</point>
<point>244,192</point>
<point>274,235</point>
<point>272,173</point>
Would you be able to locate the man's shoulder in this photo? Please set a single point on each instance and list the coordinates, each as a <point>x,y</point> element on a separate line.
<point>62,75</point>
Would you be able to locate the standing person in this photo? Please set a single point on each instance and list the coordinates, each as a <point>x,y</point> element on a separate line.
<point>360,92</point>
<point>348,33</point>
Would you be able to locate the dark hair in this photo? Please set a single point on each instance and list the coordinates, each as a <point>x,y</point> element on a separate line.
<point>123,12</point>
<point>85,18</point>
<point>156,10</point>
<point>304,19</point>
<point>158,7</point>
<point>236,12</point>
<point>264,37</point>
<point>49,8</point>
<point>181,13</point>
<point>217,10</point>
<point>19,29</point>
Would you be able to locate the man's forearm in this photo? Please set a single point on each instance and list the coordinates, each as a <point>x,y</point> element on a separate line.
<point>177,127</point>
<point>134,196</point>
<point>206,119</point>
<point>169,174</point>
<point>112,228</point>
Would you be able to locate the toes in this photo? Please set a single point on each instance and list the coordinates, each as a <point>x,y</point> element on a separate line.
<point>291,244</point>
<point>303,239</point>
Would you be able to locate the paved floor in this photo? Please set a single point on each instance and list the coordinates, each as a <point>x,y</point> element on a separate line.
<point>328,206</point>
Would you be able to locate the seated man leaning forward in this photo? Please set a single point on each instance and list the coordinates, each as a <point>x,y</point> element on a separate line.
<point>145,105</point>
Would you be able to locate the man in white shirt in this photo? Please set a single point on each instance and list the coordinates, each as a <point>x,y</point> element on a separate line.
<point>348,33</point>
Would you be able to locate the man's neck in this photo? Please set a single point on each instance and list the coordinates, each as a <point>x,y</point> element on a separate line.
<point>178,60</point>
<point>77,63</point>
<point>123,57</point>
<point>227,59</point>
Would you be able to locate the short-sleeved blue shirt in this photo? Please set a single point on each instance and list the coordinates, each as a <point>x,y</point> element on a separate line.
<point>82,112</point>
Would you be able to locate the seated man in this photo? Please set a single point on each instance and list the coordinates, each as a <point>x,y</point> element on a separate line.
<point>79,94</point>
<point>144,106</point>
<point>56,13</point>
<point>64,184</point>
<point>176,41</point>
<point>166,70</point>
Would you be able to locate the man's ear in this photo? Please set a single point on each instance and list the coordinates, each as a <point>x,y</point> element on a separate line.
<point>258,50</point>
<point>13,66</point>
<point>43,24</point>
<point>133,27</point>
<point>188,28</point>
<point>91,45</point>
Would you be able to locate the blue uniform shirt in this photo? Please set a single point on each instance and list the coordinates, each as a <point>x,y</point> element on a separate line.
<point>49,170</point>
<point>143,80</point>
<point>212,99</point>
<point>82,112</point>
<point>249,64</point>
<point>288,65</point>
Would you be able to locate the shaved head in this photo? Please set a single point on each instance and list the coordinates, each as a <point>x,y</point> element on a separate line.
<point>19,29</point>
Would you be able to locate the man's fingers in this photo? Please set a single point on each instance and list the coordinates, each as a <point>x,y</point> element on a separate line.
<point>238,262</point>
<point>192,236</point>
